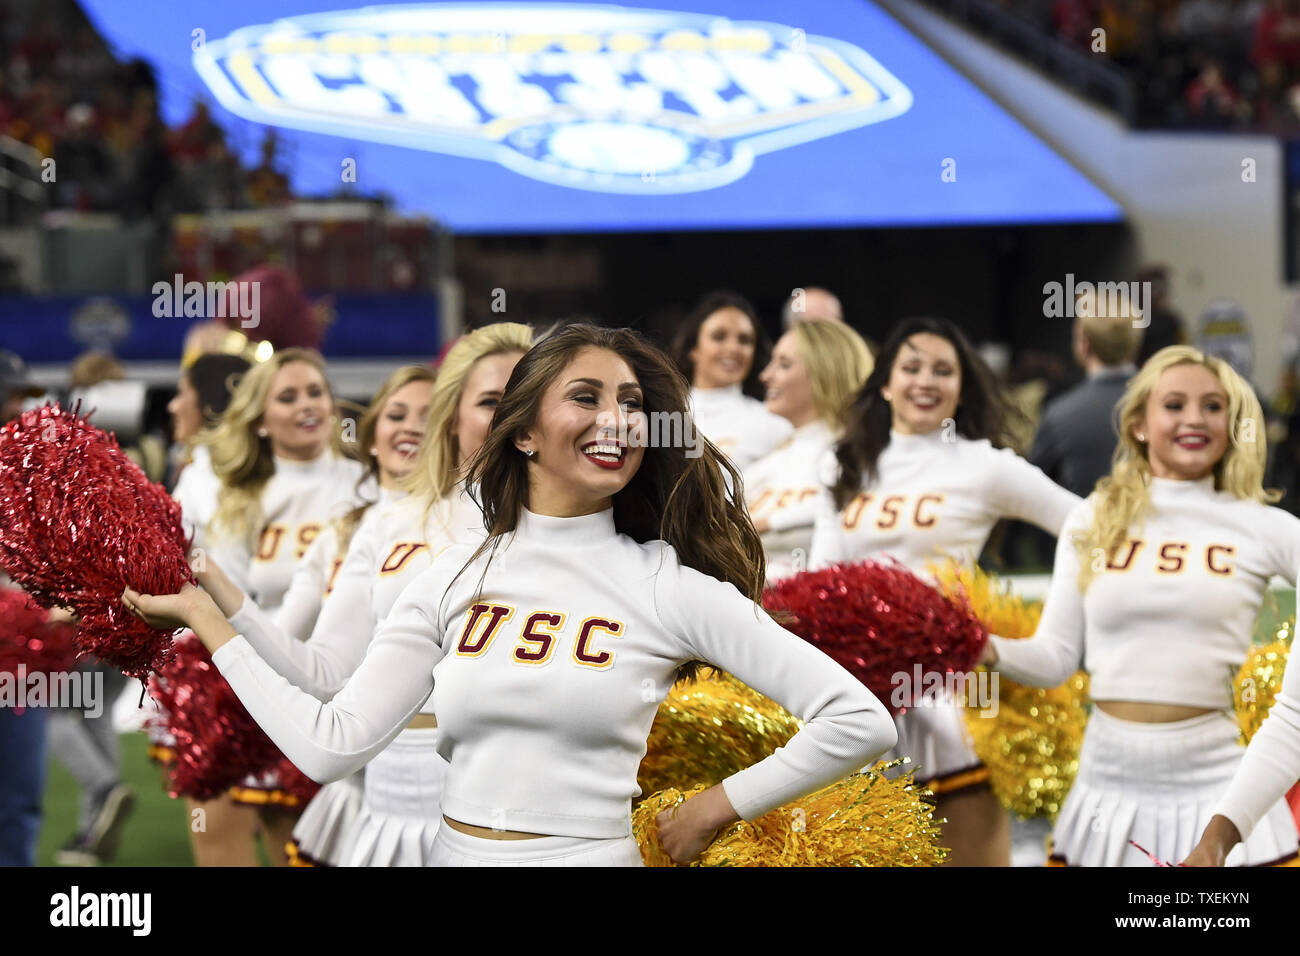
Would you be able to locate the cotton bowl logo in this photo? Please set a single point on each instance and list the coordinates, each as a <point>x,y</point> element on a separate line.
<point>594,97</point>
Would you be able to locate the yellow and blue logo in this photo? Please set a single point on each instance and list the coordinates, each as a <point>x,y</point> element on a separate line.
<point>593,97</point>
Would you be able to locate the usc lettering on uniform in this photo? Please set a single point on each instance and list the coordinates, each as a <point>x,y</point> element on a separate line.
<point>273,535</point>
<point>777,500</point>
<point>401,553</point>
<point>540,634</point>
<point>1172,557</point>
<point>334,573</point>
<point>920,510</point>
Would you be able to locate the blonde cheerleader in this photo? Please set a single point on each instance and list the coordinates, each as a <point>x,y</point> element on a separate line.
<point>284,478</point>
<point>816,369</point>
<point>917,478</point>
<point>1158,579</point>
<point>390,430</point>
<point>398,816</point>
<point>556,638</point>
<point>720,348</point>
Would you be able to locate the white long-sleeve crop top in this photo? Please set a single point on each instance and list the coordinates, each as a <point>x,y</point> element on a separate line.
<point>934,496</point>
<point>547,676</point>
<point>1169,618</point>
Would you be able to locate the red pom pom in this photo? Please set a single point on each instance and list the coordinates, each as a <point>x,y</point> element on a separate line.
<point>217,743</point>
<point>79,522</point>
<point>878,620</point>
<point>27,637</point>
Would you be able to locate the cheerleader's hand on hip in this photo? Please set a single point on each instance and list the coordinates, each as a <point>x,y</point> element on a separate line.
<point>686,829</point>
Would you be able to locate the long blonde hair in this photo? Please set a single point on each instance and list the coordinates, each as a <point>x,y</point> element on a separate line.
<point>837,361</point>
<point>436,468</point>
<point>1122,498</point>
<point>241,459</point>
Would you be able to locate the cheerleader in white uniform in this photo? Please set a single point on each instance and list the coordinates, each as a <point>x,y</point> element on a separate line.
<point>555,640</point>
<point>1158,579</point>
<point>720,349</point>
<point>391,430</point>
<point>283,479</point>
<point>399,813</point>
<point>816,369</point>
<point>916,478</point>
<point>1269,769</point>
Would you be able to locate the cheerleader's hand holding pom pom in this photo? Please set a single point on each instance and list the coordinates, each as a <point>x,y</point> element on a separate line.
<point>190,607</point>
<point>686,829</point>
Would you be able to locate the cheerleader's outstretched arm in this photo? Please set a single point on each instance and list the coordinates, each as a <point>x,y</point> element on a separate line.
<point>1056,650</point>
<point>327,741</point>
<point>322,664</point>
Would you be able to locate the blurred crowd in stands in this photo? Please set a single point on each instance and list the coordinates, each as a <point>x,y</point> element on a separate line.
<point>1194,64</point>
<point>63,93</point>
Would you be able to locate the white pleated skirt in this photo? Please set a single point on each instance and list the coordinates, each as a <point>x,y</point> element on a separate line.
<point>1156,785</point>
<point>453,848</point>
<point>933,736</point>
<point>324,833</point>
<point>400,808</point>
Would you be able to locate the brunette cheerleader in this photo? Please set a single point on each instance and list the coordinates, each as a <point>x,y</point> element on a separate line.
<point>720,348</point>
<point>816,370</point>
<point>399,814</point>
<point>1158,579</point>
<point>557,638</point>
<point>917,477</point>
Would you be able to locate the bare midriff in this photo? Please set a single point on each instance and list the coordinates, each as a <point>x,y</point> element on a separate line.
<point>487,833</point>
<point>1144,712</point>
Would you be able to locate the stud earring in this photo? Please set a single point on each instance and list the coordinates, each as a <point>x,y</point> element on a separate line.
<point>529,453</point>
<point>261,433</point>
<point>1140,437</point>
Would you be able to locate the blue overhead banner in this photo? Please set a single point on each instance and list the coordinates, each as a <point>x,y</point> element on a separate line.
<point>585,117</point>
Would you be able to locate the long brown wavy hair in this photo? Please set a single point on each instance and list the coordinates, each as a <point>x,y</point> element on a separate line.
<point>695,504</point>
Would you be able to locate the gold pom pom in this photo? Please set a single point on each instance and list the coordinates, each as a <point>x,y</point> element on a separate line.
<point>710,728</point>
<point>1257,682</point>
<point>865,819</point>
<point>1031,746</point>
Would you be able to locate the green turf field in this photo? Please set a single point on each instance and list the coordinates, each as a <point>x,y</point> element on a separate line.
<point>155,834</point>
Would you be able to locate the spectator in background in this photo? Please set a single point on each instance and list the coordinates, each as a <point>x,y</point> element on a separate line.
<point>1165,325</point>
<point>267,186</point>
<point>1076,437</point>
<point>1277,34</point>
<point>85,178</point>
<point>813,302</point>
<point>22,735</point>
<point>1211,102</point>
